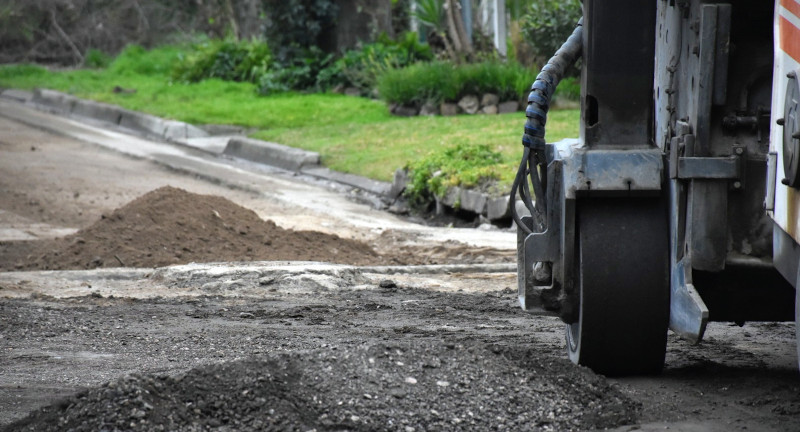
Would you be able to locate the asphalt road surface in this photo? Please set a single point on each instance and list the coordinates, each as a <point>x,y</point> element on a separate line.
<point>306,346</point>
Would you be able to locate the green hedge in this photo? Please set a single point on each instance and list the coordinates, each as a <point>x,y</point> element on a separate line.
<point>438,82</point>
<point>227,60</point>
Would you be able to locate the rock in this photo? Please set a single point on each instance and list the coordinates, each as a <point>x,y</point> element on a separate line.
<point>448,109</point>
<point>469,104</point>
<point>429,109</point>
<point>489,109</point>
<point>452,196</point>
<point>352,91</point>
<point>387,283</point>
<point>508,107</point>
<point>405,111</point>
<point>399,183</point>
<point>473,201</point>
<point>400,208</point>
<point>489,99</point>
<point>497,208</point>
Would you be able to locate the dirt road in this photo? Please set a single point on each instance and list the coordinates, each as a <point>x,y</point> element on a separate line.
<point>300,346</point>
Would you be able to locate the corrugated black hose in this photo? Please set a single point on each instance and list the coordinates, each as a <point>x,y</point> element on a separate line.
<point>534,163</point>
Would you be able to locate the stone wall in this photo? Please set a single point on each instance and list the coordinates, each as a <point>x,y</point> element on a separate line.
<point>487,103</point>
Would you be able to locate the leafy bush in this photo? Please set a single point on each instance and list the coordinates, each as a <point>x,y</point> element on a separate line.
<point>227,60</point>
<point>302,73</point>
<point>438,82</point>
<point>96,59</point>
<point>294,25</point>
<point>461,165</point>
<point>361,68</point>
<point>548,23</point>
<point>135,60</point>
<point>423,82</point>
<point>569,89</point>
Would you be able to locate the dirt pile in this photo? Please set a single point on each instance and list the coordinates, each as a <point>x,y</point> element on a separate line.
<point>386,387</point>
<point>172,226</point>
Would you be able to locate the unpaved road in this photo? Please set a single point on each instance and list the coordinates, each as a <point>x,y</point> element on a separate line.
<point>306,346</point>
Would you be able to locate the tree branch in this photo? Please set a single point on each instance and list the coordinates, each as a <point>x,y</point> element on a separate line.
<point>75,51</point>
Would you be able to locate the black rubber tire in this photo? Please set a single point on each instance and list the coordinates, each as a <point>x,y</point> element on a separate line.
<point>622,274</point>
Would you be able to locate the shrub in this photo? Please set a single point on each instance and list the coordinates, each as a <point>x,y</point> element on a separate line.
<point>96,59</point>
<point>423,82</point>
<point>361,68</point>
<point>138,61</point>
<point>569,89</point>
<point>437,82</point>
<point>227,60</point>
<point>548,23</point>
<point>301,73</point>
<point>294,25</point>
<point>460,165</point>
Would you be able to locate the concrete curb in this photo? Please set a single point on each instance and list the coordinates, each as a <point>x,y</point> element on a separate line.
<point>142,124</point>
<point>269,153</point>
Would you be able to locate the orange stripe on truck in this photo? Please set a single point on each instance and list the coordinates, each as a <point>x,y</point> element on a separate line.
<point>790,38</point>
<point>792,6</point>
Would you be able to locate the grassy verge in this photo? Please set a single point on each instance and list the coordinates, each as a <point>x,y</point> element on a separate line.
<point>353,135</point>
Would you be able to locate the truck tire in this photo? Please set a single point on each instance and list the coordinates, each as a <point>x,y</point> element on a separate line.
<point>621,269</point>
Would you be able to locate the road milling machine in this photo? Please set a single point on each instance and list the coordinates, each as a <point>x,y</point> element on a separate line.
<point>680,202</point>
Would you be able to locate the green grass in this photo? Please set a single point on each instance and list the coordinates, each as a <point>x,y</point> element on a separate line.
<point>353,135</point>
<point>376,149</point>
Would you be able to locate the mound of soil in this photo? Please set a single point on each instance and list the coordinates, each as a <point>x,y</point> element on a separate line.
<point>172,226</point>
<point>386,387</point>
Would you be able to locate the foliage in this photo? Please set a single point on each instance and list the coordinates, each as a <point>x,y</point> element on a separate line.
<point>459,165</point>
<point>96,59</point>
<point>569,88</point>
<point>309,71</point>
<point>134,59</point>
<point>438,82</point>
<point>548,23</point>
<point>354,135</point>
<point>65,31</point>
<point>361,68</point>
<point>227,60</point>
<point>292,26</point>
<point>430,13</point>
<point>401,16</point>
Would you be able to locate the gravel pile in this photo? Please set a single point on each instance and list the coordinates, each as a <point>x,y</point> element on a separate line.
<point>387,387</point>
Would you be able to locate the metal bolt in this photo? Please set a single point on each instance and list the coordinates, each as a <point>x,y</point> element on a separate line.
<point>796,135</point>
<point>780,121</point>
<point>739,150</point>
<point>737,185</point>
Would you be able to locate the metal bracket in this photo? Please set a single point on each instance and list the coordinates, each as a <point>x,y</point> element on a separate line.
<point>720,168</point>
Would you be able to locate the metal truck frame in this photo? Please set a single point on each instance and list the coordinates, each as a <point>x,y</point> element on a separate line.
<point>679,204</point>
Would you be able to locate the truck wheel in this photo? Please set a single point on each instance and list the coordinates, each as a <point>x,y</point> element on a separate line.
<point>621,271</point>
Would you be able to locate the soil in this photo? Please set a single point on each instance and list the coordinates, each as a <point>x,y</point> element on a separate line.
<point>172,226</point>
<point>298,346</point>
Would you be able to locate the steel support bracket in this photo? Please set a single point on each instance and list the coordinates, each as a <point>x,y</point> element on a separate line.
<point>719,168</point>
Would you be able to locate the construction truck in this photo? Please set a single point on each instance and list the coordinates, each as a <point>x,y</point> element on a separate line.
<point>680,202</point>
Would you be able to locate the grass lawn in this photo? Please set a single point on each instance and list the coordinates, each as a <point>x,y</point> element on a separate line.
<point>354,135</point>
